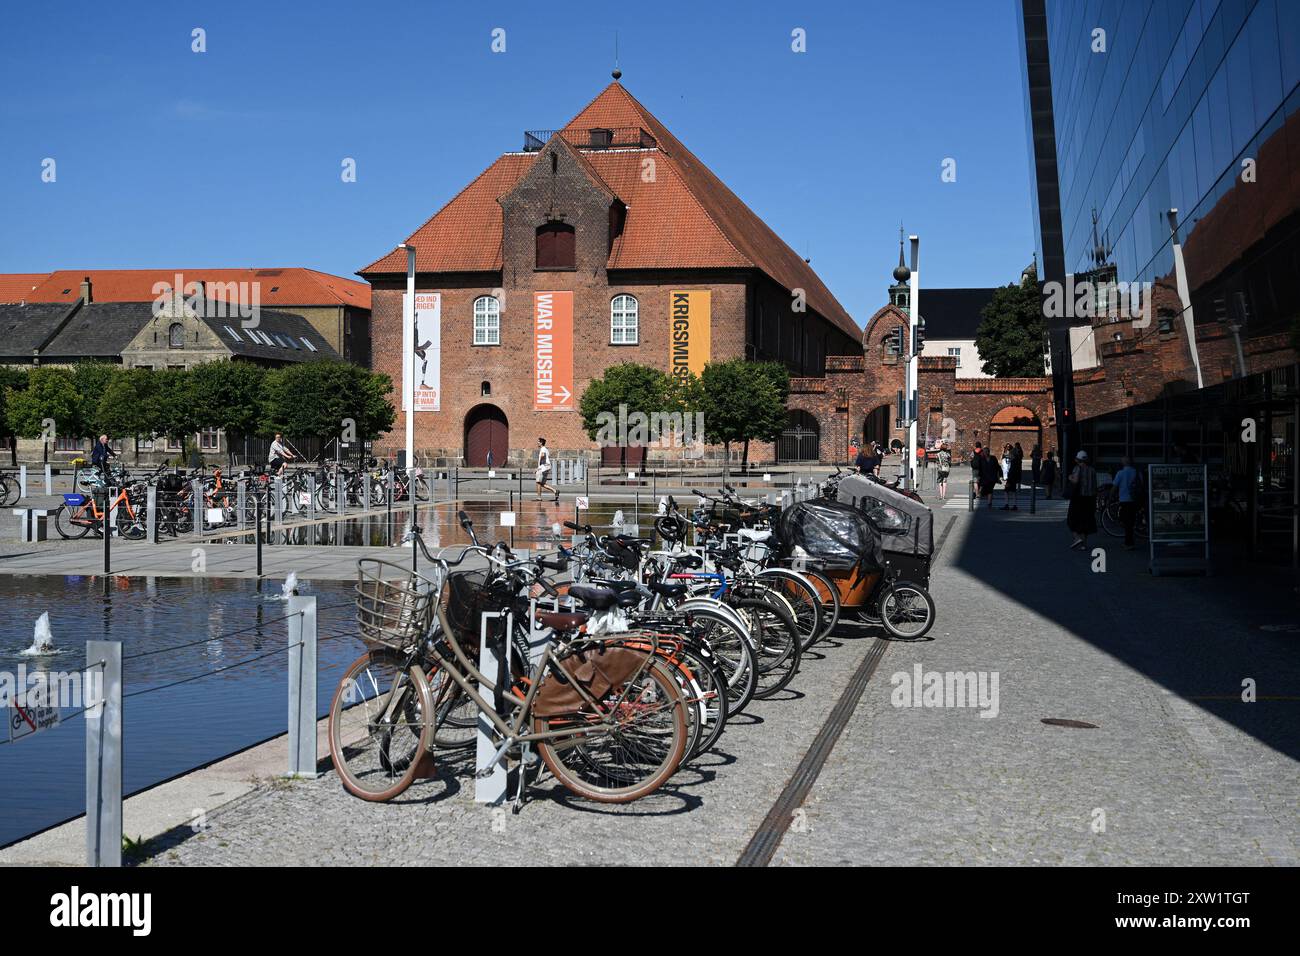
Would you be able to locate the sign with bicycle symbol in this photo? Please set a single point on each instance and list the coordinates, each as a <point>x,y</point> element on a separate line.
<point>31,719</point>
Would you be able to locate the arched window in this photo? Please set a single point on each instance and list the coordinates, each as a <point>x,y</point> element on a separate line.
<point>176,336</point>
<point>487,320</point>
<point>555,246</point>
<point>624,320</point>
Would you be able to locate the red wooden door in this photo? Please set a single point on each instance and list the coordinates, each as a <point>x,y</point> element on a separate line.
<point>486,430</point>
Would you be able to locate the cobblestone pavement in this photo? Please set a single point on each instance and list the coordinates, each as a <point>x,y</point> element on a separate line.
<point>1178,769</point>
<point>705,815</point>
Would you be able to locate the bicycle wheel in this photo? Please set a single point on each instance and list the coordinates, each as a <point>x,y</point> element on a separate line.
<point>804,600</point>
<point>776,641</point>
<point>456,713</point>
<point>906,610</point>
<point>634,757</point>
<point>733,653</point>
<point>377,728</point>
<point>830,600</point>
<point>8,492</point>
<point>69,524</point>
<point>1110,520</point>
<point>706,688</point>
<point>131,527</point>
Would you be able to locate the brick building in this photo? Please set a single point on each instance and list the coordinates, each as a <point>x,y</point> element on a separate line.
<point>602,242</point>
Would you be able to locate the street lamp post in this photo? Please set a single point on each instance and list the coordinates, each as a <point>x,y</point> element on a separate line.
<point>408,357</point>
<point>913,361</point>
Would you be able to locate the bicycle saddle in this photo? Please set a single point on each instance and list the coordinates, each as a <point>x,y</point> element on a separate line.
<point>669,590</point>
<point>689,561</point>
<point>598,599</point>
<point>615,585</point>
<point>753,534</point>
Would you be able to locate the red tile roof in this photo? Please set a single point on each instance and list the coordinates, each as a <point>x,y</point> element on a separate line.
<point>685,218</point>
<point>293,285</point>
<point>18,286</point>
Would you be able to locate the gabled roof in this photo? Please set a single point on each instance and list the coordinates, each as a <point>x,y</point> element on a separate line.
<point>18,286</point>
<point>27,327</point>
<point>289,332</point>
<point>291,286</point>
<point>685,218</point>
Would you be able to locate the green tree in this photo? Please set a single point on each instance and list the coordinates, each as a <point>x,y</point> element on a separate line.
<point>318,398</point>
<point>11,380</point>
<point>126,408</point>
<point>743,402</point>
<point>228,395</point>
<point>1011,332</point>
<point>172,408</point>
<point>91,380</point>
<point>50,397</point>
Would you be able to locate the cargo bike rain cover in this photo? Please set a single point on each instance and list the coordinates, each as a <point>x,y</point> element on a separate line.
<point>832,533</point>
<point>911,521</point>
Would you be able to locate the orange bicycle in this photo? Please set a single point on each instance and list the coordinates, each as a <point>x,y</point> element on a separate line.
<point>82,514</point>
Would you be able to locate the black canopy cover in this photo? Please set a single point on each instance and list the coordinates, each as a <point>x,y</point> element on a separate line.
<point>836,534</point>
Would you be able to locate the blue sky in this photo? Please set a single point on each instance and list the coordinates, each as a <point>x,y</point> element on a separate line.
<point>166,157</point>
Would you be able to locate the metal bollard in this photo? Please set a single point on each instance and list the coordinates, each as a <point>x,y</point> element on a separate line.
<point>199,507</point>
<point>340,493</point>
<point>257,535</point>
<point>311,497</point>
<point>108,526</point>
<point>49,480</point>
<point>365,491</point>
<point>151,514</point>
<point>241,501</point>
<point>970,504</point>
<point>22,482</point>
<point>1033,497</point>
<point>103,696</point>
<point>302,686</point>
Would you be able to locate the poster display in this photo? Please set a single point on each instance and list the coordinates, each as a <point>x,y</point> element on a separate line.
<point>1178,519</point>
<point>422,347</point>
<point>553,351</point>
<point>690,332</point>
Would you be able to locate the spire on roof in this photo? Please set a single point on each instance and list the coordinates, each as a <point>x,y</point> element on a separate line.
<point>901,272</point>
<point>617,74</point>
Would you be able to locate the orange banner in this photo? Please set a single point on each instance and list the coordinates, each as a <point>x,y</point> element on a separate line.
<point>553,351</point>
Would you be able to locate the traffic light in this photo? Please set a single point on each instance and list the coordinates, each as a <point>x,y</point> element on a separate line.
<point>918,337</point>
<point>894,341</point>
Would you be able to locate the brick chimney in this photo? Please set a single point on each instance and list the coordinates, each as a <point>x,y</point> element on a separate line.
<point>85,290</point>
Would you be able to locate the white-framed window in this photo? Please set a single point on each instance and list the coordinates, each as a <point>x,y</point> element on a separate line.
<point>307,342</point>
<point>210,439</point>
<point>487,320</point>
<point>624,320</point>
<point>955,352</point>
<point>232,333</point>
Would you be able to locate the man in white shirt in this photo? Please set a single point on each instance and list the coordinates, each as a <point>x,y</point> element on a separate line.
<point>279,455</point>
<point>544,471</point>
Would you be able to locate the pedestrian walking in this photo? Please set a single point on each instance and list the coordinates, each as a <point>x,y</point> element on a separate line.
<point>1126,482</point>
<point>1049,472</point>
<point>1081,489</point>
<point>943,465</point>
<point>1014,469</point>
<point>990,475</point>
<point>854,447</point>
<point>544,471</point>
<point>1036,464</point>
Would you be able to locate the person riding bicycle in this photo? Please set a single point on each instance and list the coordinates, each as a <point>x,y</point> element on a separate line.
<point>279,456</point>
<point>100,454</point>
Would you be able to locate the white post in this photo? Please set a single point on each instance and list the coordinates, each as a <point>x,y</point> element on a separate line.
<point>491,775</point>
<point>49,478</point>
<point>913,362</point>
<point>22,482</point>
<point>408,352</point>
<point>1184,296</point>
<point>102,688</point>
<point>302,686</point>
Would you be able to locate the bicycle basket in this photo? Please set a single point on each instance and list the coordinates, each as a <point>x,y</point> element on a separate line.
<point>394,605</point>
<point>468,597</point>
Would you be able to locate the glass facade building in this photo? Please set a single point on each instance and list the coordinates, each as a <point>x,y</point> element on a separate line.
<point>1136,108</point>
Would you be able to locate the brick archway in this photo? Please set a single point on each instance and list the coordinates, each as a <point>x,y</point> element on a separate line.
<point>1015,422</point>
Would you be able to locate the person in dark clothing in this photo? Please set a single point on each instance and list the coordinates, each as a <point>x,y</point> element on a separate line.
<point>1015,470</point>
<point>1049,472</point>
<point>1036,464</point>
<point>100,454</point>
<point>990,475</point>
<point>1081,517</point>
<point>869,459</point>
